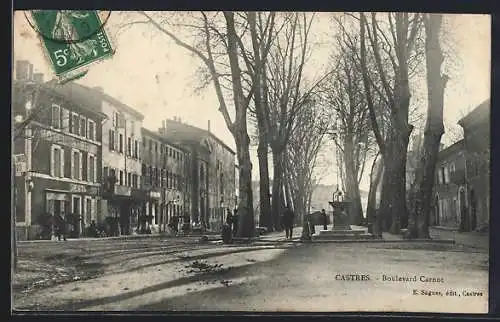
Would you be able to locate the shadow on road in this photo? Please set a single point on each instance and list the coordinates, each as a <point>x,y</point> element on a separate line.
<point>226,273</point>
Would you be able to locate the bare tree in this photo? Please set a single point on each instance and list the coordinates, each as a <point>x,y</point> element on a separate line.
<point>286,93</point>
<point>216,39</point>
<point>393,44</point>
<point>434,128</point>
<point>301,157</point>
<point>344,95</point>
<point>262,31</point>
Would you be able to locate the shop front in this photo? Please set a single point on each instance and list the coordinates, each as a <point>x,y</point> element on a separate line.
<point>76,203</point>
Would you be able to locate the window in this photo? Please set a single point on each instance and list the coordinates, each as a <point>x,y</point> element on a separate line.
<point>56,116</point>
<point>115,119</point>
<point>120,144</point>
<point>91,168</point>
<point>57,161</point>
<point>65,119</point>
<point>452,167</point>
<point>440,176</point>
<point>446,174</point>
<point>162,183</point>
<point>150,146</point>
<point>91,130</point>
<point>150,175</point>
<point>136,149</point>
<point>129,179</point>
<point>134,180</point>
<point>121,178</point>
<point>129,146</point>
<point>156,147</point>
<point>75,124</point>
<point>83,126</point>
<point>76,164</point>
<point>111,140</point>
<point>222,183</point>
<point>169,152</point>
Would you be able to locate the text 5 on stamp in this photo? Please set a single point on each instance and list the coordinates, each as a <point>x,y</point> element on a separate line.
<point>73,39</point>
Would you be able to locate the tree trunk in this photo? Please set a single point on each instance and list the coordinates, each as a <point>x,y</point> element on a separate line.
<point>397,181</point>
<point>434,128</point>
<point>240,133</point>
<point>245,206</point>
<point>371,208</point>
<point>351,183</point>
<point>265,219</point>
<point>277,188</point>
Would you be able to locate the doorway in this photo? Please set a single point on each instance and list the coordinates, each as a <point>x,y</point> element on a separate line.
<point>473,210</point>
<point>463,212</point>
<point>436,212</point>
<point>77,206</point>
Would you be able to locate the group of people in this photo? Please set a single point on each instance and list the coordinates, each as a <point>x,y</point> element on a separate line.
<point>232,221</point>
<point>288,220</point>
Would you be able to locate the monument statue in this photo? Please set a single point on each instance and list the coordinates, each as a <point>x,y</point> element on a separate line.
<point>340,211</point>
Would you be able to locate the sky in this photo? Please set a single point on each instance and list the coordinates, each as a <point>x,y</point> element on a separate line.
<point>156,77</point>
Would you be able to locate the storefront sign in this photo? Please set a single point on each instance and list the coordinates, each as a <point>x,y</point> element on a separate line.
<point>68,140</point>
<point>80,188</point>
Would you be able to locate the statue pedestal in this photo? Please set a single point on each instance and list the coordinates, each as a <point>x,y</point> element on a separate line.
<point>342,231</point>
<point>340,215</point>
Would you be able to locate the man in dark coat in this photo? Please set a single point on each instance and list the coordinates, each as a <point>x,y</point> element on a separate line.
<point>288,217</point>
<point>61,227</point>
<point>324,217</point>
<point>235,222</point>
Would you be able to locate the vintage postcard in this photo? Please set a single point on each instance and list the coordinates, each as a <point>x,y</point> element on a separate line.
<point>250,161</point>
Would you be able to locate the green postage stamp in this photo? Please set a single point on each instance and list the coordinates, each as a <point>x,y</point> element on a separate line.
<point>73,39</point>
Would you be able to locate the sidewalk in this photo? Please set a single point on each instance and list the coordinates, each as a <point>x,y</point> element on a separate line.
<point>470,239</point>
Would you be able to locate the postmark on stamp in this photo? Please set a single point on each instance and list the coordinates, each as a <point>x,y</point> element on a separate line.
<point>73,39</point>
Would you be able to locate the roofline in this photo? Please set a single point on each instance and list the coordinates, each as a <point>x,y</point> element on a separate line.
<point>52,91</point>
<point>206,132</point>
<point>459,144</point>
<point>469,115</point>
<point>162,138</point>
<point>110,99</point>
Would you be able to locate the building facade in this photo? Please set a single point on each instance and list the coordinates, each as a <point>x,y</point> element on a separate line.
<point>121,138</point>
<point>164,180</point>
<point>450,204</point>
<point>212,169</point>
<point>63,149</point>
<point>476,126</point>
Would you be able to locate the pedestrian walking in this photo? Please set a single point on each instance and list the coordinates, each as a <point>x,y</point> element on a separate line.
<point>325,219</point>
<point>288,217</point>
<point>235,222</point>
<point>62,227</point>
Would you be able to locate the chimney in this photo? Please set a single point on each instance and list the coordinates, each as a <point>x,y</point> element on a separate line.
<point>163,124</point>
<point>24,70</point>
<point>38,77</point>
<point>208,125</point>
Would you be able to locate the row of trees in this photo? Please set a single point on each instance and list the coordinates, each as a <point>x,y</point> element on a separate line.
<point>257,62</point>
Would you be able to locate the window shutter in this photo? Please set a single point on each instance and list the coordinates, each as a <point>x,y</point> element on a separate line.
<point>95,169</point>
<point>80,174</point>
<point>110,139</point>
<point>52,161</point>
<point>72,176</point>
<point>62,163</point>
<point>85,166</point>
<point>65,119</point>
